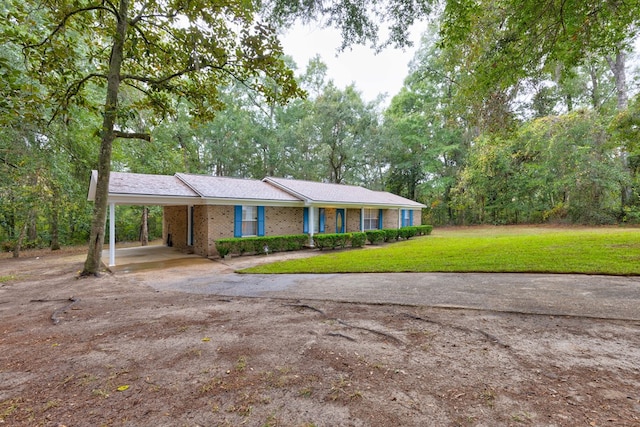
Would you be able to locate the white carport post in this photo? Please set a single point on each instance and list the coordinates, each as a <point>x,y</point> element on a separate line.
<point>112,234</point>
<point>311,224</point>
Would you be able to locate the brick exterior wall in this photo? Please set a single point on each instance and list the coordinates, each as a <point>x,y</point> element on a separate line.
<point>174,222</point>
<point>200,230</point>
<point>281,221</point>
<point>417,217</point>
<point>211,223</point>
<point>390,218</point>
<point>352,220</point>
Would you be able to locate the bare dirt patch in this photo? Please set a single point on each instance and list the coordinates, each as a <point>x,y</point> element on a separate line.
<point>113,351</point>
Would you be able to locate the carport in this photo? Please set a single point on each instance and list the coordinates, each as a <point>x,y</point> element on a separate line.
<point>153,256</point>
<point>145,190</point>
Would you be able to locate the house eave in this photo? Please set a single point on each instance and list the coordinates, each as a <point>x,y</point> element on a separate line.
<point>147,199</point>
<point>253,202</point>
<point>352,205</point>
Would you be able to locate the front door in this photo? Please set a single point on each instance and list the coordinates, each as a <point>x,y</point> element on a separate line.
<point>339,220</point>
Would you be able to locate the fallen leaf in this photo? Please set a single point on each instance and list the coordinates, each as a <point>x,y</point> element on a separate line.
<point>123,388</point>
<point>205,339</point>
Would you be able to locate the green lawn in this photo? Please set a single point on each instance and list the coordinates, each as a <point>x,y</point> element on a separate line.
<point>613,251</point>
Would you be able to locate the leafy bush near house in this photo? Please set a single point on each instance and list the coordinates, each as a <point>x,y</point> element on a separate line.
<point>415,230</point>
<point>407,232</point>
<point>358,239</point>
<point>390,234</point>
<point>375,236</point>
<point>331,240</point>
<point>424,230</point>
<point>259,245</point>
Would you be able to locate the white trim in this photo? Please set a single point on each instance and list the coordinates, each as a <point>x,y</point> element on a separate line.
<point>141,199</point>
<point>399,218</point>
<point>112,235</point>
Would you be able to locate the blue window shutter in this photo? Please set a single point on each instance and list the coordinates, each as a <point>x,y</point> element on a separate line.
<point>380,221</point>
<point>237,221</point>
<point>260,220</point>
<point>361,226</point>
<point>403,222</point>
<point>322,219</point>
<point>411,217</point>
<point>305,220</point>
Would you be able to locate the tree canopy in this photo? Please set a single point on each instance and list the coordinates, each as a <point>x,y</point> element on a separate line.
<point>511,111</point>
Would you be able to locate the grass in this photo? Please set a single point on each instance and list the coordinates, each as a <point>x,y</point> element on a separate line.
<point>609,251</point>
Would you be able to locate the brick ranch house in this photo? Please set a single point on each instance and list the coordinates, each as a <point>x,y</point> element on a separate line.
<point>200,209</point>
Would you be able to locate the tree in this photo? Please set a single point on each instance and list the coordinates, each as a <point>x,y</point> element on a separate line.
<point>427,131</point>
<point>342,124</point>
<point>153,47</point>
<point>502,42</point>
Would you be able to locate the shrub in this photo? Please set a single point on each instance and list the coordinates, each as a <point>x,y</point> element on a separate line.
<point>259,245</point>
<point>322,241</point>
<point>358,239</point>
<point>223,249</point>
<point>407,232</point>
<point>390,234</point>
<point>375,236</point>
<point>424,230</point>
<point>331,241</point>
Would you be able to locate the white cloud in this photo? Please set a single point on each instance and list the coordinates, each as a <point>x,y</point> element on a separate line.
<point>372,73</point>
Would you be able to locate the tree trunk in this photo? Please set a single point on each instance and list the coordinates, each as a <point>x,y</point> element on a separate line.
<point>595,99</point>
<point>23,232</point>
<point>617,66</point>
<point>94,255</point>
<point>55,242</point>
<point>144,228</point>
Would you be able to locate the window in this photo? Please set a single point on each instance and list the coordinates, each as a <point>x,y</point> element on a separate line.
<point>249,220</point>
<point>407,217</point>
<point>371,219</point>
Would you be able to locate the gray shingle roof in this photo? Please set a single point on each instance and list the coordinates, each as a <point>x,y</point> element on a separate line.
<point>145,184</point>
<point>224,189</point>
<point>340,193</point>
<point>234,188</point>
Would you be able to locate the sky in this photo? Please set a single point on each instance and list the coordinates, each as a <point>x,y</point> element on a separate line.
<point>372,73</point>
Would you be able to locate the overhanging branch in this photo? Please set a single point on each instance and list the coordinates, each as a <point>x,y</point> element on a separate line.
<point>65,18</point>
<point>132,135</point>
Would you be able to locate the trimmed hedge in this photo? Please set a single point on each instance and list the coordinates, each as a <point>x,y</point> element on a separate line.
<point>375,236</point>
<point>416,230</point>
<point>339,240</point>
<point>331,240</point>
<point>260,245</point>
<point>295,242</point>
<point>358,239</point>
<point>390,234</point>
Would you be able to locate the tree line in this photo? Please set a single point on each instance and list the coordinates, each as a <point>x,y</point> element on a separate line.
<point>511,113</point>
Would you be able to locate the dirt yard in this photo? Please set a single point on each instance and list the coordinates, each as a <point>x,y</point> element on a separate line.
<point>112,351</point>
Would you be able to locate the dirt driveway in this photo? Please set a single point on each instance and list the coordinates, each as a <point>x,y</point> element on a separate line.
<point>122,350</point>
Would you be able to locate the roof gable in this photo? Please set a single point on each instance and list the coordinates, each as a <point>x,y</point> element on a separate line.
<point>234,188</point>
<point>145,184</point>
